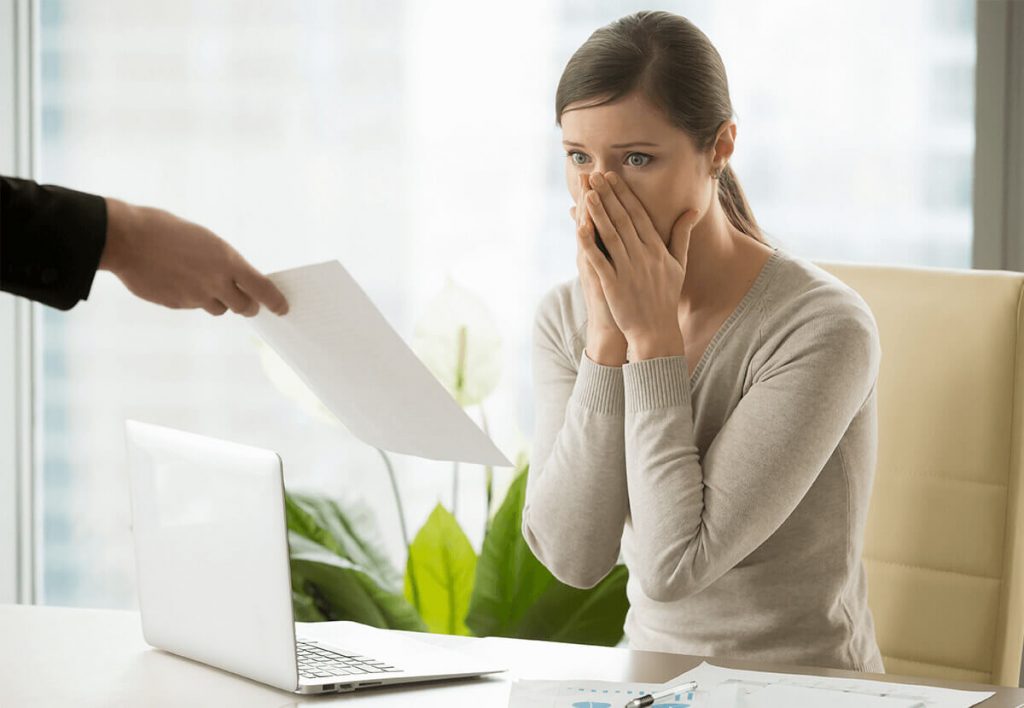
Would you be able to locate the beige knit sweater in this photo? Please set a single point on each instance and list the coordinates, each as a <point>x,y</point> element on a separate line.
<point>738,494</point>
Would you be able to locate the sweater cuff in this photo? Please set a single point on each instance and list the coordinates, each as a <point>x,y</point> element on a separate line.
<point>598,388</point>
<point>656,383</point>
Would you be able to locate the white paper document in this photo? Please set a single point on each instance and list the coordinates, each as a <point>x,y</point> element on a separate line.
<point>341,346</point>
<point>728,688</point>
<point>731,688</point>
<point>740,695</point>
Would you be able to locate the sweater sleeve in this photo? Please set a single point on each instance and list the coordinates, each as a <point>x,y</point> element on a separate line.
<point>575,504</point>
<point>695,519</point>
<point>51,240</point>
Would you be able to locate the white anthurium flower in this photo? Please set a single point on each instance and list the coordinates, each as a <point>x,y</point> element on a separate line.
<point>458,341</point>
<point>291,385</point>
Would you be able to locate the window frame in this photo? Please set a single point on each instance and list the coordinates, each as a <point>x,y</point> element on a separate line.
<point>998,241</point>
<point>18,498</point>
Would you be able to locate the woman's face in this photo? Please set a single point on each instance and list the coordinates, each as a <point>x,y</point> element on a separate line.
<point>635,139</point>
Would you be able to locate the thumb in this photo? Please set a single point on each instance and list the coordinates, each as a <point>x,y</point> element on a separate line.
<point>679,238</point>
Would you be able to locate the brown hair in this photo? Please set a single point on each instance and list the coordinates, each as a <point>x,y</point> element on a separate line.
<point>675,65</point>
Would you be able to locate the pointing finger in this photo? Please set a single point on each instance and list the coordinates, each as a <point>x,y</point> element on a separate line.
<point>263,290</point>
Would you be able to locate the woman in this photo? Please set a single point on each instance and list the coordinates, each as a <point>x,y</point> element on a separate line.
<point>704,399</point>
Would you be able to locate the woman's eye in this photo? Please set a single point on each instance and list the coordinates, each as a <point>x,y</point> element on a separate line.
<point>578,158</point>
<point>637,159</point>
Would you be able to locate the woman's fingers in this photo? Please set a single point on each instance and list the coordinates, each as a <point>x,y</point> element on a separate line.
<point>590,260</point>
<point>637,213</point>
<point>682,229</point>
<point>617,213</point>
<point>579,210</point>
<point>584,229</point>
<point>583,233</point>
<point>588,246</point>
<point>605,227</point>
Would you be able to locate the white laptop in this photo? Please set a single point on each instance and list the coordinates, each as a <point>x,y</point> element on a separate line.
<point>214,584</point>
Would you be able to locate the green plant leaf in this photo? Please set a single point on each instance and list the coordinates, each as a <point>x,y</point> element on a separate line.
<point>337,573</point>
<point>345,591</point>
<point>516,596</point>
<point>444,563</point>
<point>568,614</point>
<point>326,522</point>
<point>304,608</point>
<point>508,577</point>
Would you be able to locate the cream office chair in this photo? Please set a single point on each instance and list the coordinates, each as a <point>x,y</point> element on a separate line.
<point>944,550</point>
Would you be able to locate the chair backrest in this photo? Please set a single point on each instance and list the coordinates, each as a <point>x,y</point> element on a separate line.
<point>944,549</point>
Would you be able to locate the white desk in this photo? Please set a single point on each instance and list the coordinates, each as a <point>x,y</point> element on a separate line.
<point>85,658</point>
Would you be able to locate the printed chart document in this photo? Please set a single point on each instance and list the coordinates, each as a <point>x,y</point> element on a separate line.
<point>341,346</point>
<point>729,688</point>
<point>591,694</point>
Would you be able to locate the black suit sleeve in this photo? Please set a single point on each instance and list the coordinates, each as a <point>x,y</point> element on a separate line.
<point>51,240</point>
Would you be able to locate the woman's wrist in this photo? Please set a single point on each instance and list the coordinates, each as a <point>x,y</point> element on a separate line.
<point>606,348</point>
<point>641,348</point>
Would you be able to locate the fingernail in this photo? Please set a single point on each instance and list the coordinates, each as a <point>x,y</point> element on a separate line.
<point>596,178</point>
<point>613,178</point>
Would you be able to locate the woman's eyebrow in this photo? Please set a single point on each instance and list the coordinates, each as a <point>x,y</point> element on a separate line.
<point>620,145</point>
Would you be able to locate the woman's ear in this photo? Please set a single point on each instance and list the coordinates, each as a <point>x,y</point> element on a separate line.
<point>725,144</point>
<point>725,140</point>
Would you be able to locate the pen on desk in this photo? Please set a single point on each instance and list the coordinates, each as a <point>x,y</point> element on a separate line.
<point>650,698</point>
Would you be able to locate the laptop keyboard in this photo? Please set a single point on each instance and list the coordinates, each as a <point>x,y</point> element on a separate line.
<point>316,661</point>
